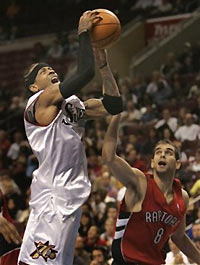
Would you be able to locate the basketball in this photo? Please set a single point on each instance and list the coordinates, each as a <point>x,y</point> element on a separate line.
<point>106,31</point>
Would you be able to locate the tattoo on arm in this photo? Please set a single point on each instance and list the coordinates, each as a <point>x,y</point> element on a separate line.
<point>109,84</point>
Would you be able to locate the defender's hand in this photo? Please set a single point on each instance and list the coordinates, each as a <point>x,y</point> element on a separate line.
<point>9,231</point>
<point>88,19</point>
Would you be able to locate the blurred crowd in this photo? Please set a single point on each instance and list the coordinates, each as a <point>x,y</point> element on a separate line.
<point>24,18</point>
<point>164,105</point>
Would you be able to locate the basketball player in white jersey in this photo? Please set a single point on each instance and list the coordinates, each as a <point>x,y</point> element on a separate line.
<point>54,123</point>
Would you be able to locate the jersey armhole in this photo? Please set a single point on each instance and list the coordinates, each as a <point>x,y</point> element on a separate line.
<point>29,114</point>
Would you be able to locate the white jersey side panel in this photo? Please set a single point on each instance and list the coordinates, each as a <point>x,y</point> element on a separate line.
<point>62,173</point>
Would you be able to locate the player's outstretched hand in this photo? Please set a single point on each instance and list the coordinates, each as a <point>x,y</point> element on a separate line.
<point>9,231</point>
<point>87,20</point>
<point>101,57</point>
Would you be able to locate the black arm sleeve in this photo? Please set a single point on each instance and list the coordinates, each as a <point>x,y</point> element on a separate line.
<point>85,68</point>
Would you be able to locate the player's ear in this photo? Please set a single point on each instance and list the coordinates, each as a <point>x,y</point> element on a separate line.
<point>178,164</point>
<point>33,88</point>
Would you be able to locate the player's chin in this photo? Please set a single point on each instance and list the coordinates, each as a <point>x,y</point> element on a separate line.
<point>162,169</point>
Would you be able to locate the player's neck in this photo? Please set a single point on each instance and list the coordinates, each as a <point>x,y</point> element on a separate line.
<point>165,183</point>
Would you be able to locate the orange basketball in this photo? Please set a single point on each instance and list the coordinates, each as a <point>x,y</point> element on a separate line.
<point>105,32</point>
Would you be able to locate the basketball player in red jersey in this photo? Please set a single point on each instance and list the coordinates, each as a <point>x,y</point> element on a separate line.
<point>153,208</point>
<point>10,240</point>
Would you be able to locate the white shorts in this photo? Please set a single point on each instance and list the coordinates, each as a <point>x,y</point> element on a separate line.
<point>49,238</point>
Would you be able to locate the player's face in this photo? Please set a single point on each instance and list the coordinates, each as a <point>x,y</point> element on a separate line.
<point>164,159</point>
<point>46,76</point>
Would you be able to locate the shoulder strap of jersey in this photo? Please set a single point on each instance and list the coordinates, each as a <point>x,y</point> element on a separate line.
<point>178,190</point>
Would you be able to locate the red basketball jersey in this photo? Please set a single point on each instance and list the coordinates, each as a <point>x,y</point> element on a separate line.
<point>140,237</point>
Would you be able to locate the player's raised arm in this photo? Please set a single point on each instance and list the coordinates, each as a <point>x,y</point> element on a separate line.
<point>131,178</point>
<point>112,101</point>
<point>183,242</point>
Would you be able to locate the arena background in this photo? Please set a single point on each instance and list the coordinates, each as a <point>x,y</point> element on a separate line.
<point>156,63</point>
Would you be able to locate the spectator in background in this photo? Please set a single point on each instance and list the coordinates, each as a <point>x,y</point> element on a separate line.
<point>99,256</point>
<point>72,45</point>
<point>149,116</point>
<point>190,131</point>
<point>108,183</point>
<point>195,88</point>
<point>55,51</point>
<point>85,224</point>
<point>14,149</point>
<point>10,239</point>
<point>195,162</point>
<point>196,230</point>
<point>98,203</point>
<point>167,134</point>
<point>39,52</point>
<point>93,239</point>
<point>152,87</point>
<point>109,228</point>
<point>138,87</point>
<point>170,66</point>
<point>4,147</point>
<point>148,145</point>
<point>178,86</point>
<point>134,159</point>
<point>182,111</point>
<point>167,120</point>
<point>163,93</point>
<point>187,66</point>
<point>187,50</point>
<point>131,113</point>
<point>81,257</point>
<point>175,256</point>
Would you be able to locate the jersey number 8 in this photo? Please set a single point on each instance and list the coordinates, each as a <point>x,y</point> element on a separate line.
<point>158,236</point>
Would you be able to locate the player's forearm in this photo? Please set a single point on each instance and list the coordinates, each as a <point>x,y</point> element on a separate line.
<point>110,86</point>
<point>85,69</point>
<point>110,141</point>
<point>186,245</point>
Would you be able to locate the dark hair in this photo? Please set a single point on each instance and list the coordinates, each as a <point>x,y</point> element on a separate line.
<point>104,251</point>
<point>166,141</point>
<point>26,74</point>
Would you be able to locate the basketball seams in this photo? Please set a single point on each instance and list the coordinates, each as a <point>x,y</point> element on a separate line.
<point>107,39</point>
<point>105,24</point>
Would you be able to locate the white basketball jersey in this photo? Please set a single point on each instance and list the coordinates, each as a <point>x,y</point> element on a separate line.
<point>62,172</point>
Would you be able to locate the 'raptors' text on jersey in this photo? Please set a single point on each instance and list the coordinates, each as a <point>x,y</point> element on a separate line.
<point>140,236</point>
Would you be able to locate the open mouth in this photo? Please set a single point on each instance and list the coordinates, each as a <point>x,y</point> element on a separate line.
<point>54,79</point>
<point>162,163</point>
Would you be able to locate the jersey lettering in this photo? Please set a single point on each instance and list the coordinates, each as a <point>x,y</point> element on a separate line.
<point>160,216</point>
<point>74,114</point>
